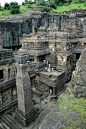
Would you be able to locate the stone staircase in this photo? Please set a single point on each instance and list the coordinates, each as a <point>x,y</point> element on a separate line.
<point>9,121</point>
<point>3,126</point>
<point>30,117</point>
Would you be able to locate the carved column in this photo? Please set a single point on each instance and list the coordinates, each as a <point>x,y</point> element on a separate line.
<point>24,113</point>
<point>33,26</point>
<point>1,100</point>
<point>53,90</point>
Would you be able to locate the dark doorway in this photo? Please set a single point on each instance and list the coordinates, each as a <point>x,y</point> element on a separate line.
<point>78,55</point>
<point>51,90</point>
<point>41,58</point>
<point>1,74</point>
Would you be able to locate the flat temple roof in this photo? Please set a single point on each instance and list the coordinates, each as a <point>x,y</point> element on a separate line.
<point>55,73</point>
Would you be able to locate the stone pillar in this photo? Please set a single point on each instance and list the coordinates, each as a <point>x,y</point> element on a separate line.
<point>50,22</point>
<point>53,90</point>
<point>0,100</point>
<point>46,23</point>
<point>6,73</point>
<point>33,26</point>
<point>10,95</point>
<point>24,113</point>
<point>35,59</point>
<point>23,86</point>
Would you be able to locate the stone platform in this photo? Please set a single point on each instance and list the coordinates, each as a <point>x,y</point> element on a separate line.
<point>12,119</point>
<point>26,119</point>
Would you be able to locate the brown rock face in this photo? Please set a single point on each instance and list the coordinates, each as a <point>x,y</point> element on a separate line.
<point>78,81</point>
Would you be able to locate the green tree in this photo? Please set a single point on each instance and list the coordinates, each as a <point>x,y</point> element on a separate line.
<point>41,2</point>
<point>52,1</point>
<point>30,2</point>
<point>0,6</point>
<point>69,1</point>
<point>35,1</point>
<point>81,1</point>
<point>57,2</point>
<point>26,1</point>
<point>53,4</point>
<point>14,8</point>
<point>22,3</point>
<point>6,6</point>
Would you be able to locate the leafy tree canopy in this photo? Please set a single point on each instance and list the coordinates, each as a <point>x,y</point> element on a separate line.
<point>14,8</point>
<point>41,2</point>
<point>6,6</point>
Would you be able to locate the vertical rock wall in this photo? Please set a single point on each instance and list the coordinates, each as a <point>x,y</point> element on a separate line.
<point>11,30</point>
<point>78,81</point>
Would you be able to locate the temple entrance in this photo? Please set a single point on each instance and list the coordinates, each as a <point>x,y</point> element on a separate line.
<point>51,90</point>
<point>41,58</point>
<point>77,55</point>
<point>1,75</point>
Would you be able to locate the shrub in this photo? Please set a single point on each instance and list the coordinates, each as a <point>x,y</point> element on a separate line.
<point>30,2</point>
<point>54,6</point>
<point>60,4</point>
<point>69,1</point>
<point>22,3</point>
<point>0,7</point>
<point>41,2</point>
<point>14,8</point>
<point>46,9</point>
<point>26,1</point>
<point>85,4</point>
<point>57,2</point>
<point>81,1</point>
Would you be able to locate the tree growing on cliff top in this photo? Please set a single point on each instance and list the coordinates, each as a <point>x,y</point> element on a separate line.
<point>41,2</point>
<point>6,6</point>
<point>0,6</point>
<point>14,8</point>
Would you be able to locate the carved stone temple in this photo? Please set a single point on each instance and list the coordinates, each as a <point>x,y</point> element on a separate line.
<point>46,48</point>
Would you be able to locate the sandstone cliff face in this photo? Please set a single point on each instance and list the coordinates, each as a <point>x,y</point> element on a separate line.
<point>12,28</point>
<point>78,81</point>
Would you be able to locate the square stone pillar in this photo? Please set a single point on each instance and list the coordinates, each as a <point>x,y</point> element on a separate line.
<point>0,100</point>
<point>24,113</point>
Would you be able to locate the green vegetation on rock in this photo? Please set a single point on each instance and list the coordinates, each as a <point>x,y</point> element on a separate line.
<point>68,104</point>
<point>14,8</point>
<point>52,6</point>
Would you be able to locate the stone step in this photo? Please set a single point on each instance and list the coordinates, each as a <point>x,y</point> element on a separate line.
<point>5,126</point>
<point>15,122</point>
<point>2,126</point>
<point>34,114</point>
<point>10,122</point>
<point>30,117</point>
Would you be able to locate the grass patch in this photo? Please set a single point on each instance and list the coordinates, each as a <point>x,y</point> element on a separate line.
<point>60,9</point>
<point>69,7</point>
<point>23,9</point>
<point>73,104</point>
<point>78,75</point>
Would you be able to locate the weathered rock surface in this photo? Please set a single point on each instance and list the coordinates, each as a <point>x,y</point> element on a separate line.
<point>55,120</point>
<point>12,28</point>
<point>78,81</point>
